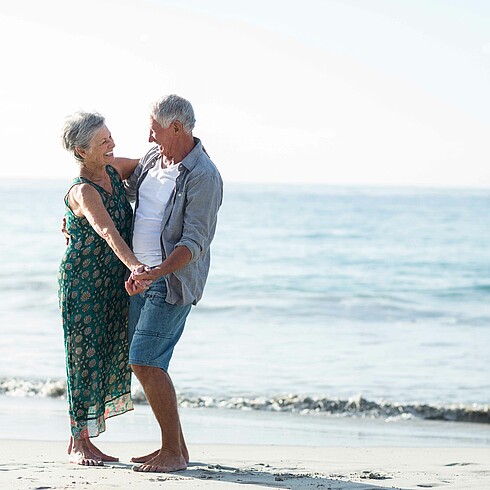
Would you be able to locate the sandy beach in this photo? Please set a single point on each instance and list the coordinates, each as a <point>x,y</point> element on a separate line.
<point>41,465</point>
<point>257,449</point>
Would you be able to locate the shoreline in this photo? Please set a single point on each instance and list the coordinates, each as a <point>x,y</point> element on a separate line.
<point>354,406</point>
<point>41,464</point>
<point>229,448</point>
<point>36,418</point>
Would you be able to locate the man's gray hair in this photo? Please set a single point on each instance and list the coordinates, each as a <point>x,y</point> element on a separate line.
<point>170,108</point>
<point>78,131</point>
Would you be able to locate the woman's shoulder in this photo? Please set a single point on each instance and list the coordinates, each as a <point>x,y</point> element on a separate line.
<point>77,184</point>
<point>83,190</point>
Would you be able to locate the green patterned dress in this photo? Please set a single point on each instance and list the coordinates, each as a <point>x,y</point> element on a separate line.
<point>94,308</point>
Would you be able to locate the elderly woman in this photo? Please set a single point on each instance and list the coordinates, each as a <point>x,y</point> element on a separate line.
<point>93,301</point>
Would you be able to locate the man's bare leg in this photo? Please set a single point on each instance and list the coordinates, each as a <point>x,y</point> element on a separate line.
<point>80,453</point>
<point>160,393</point>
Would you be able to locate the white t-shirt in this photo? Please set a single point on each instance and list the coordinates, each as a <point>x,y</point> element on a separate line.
<point>153,195</point>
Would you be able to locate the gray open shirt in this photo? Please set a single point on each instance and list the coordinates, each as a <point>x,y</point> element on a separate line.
<point>189,218</point>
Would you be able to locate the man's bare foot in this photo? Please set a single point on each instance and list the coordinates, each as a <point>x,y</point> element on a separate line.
<point>183,447</point>
<point>148,457</point>
<point>82,455</point>
<point>164,462</point>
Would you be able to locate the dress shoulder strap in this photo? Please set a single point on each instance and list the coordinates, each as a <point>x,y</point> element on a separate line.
<point>116,178</point>
<point>114,173</point>
<point>75,181</point>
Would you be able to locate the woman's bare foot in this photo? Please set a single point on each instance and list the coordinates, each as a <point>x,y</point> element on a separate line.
<point>102,456</point>
<point>80,453</point>
<point>96,451</point>
<point>163,462</point>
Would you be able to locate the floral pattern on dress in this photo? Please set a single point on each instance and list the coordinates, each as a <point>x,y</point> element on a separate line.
<point>94,308</point>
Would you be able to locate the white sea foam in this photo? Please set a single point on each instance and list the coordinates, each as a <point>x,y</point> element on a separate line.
<point>356,406</point>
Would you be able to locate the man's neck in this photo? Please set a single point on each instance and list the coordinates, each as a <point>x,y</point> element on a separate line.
<point>184,149</point>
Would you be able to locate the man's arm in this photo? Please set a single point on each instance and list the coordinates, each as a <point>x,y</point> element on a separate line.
<point>204,198</point>
<point>179,258</point>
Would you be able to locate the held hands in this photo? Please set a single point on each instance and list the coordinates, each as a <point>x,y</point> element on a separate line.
<point>148,273</point>
<point>135,285</point>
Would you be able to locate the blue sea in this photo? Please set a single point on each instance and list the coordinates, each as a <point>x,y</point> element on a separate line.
<point>342,301</point>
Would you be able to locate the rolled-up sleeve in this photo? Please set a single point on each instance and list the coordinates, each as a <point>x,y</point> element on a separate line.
<point>203,200</point>
<point>130,185</point>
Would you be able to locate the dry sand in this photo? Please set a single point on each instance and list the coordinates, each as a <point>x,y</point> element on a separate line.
<point>42,465</point>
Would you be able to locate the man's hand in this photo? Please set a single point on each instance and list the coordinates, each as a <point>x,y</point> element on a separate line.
<point>135,286</point>
<point>179,258</point>
<point>65,231</point>
<point>147,274</point>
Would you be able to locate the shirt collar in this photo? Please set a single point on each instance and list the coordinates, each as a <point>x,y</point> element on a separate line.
<point>191,159</point>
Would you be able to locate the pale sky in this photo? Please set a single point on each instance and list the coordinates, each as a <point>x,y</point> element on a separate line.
<point>374,92</point>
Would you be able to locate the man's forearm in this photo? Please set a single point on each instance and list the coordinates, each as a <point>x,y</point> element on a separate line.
<point>179,258</point>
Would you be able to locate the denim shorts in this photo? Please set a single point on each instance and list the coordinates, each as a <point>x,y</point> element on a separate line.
<point>155,326</point>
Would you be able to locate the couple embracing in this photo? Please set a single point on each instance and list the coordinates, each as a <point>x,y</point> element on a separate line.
<point>127,281</point>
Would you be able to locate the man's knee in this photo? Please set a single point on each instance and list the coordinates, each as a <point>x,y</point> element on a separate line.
<point>140,371</point>
<point>145,372</point>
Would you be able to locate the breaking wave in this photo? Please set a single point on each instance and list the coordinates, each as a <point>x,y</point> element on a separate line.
<point>292,403</point>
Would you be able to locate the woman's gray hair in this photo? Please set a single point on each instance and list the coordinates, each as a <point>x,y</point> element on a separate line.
<point>170,108</point>
<point>78,131</point>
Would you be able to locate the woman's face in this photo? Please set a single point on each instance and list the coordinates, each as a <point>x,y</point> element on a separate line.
<point>100,149</point>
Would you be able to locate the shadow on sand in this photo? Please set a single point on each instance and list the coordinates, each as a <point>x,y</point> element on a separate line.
<point>266,476</point>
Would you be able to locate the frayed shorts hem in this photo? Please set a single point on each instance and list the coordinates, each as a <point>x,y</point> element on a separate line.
<point>149,364</point>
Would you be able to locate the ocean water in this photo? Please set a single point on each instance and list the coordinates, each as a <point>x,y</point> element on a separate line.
<point>367,301</point>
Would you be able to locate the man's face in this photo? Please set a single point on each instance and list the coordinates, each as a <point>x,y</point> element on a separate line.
<point>163,137</point>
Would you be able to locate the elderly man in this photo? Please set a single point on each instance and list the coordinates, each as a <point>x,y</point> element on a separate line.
<point>178,192</point>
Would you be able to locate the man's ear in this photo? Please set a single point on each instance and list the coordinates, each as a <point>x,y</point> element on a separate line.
<point>177,125</point>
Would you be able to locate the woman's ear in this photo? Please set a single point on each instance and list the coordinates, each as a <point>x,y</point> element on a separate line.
<point>80,151</point>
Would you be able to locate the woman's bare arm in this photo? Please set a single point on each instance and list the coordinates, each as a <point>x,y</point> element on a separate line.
<point>85,201</point>
<point>125,166</point>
